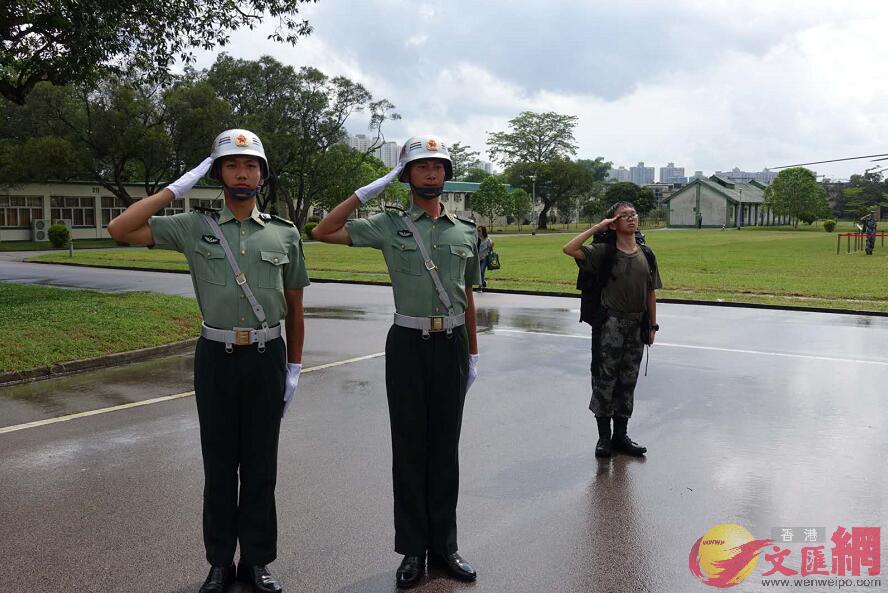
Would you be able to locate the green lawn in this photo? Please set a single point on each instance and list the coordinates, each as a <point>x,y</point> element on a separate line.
<point>762,266</point>
<point>45,245</point>
<point>40,325</point>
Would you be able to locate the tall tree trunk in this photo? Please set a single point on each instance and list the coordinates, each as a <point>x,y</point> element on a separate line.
<point>543,221</point>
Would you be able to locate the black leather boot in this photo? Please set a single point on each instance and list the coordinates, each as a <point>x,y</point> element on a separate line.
<point>259,577</point>
<point>621,441</point>
<point>219,579</point>
<point>603,447</point>
<point>410,571</point>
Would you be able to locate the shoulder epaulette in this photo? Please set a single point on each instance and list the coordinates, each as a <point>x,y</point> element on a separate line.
<point>398,208</point>
<point>206,210</point>
<point>466,220</point>
<point>277,218</point>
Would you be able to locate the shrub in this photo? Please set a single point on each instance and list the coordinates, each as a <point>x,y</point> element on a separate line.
<point>308,228</point>
<point>829,225</point>
<point>59,236</point>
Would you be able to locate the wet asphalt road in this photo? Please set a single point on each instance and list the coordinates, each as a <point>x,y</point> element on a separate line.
<point>761,418</point>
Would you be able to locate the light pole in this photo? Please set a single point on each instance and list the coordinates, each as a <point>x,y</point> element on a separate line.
<point>740,210</point>
<point>533,181</point>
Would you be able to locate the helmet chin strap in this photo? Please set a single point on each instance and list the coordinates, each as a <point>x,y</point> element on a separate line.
<point>243,193</point>
<point>428,193</point>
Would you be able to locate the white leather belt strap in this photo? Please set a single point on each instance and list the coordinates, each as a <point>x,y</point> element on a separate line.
<point>245,336</point>
<point>431,324</point>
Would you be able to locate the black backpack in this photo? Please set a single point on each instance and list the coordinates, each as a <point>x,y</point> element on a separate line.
<point>592,285</point>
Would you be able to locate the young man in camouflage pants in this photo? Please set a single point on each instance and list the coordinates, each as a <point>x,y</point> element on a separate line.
<point>618,337</point>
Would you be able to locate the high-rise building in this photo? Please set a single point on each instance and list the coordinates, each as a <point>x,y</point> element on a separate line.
<point>764,176</point>
<point>671,172</point>
<point>620,174</point>
<point>641,175</point>
<point>360,142</point>
<point>388,153</point>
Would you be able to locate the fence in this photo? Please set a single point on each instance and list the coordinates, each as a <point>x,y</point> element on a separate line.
<point>858,240</point>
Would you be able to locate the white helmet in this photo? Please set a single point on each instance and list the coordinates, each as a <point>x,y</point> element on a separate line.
<point>237,142</point>
<point>424,147</point>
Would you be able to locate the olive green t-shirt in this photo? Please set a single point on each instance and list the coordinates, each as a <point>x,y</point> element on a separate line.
<point>450,242</point>
<point>631,279</point>
<point>267,249</point>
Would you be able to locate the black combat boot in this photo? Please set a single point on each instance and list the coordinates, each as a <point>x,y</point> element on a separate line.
<point>621,441</point>
<point>603,447</point>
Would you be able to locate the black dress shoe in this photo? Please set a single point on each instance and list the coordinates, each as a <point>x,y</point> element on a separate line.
<point>624,444</point>
<point>259,577</point>
<point>410,571</point>
<point>219,579</point>
<point>603,448</point>
<point>455,565</point>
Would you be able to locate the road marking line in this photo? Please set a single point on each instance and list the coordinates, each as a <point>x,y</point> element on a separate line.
<point>158,400</point>
<point>713,348</point>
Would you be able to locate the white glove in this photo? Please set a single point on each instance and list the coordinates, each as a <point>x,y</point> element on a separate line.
<point>473,370</point>
<point>184,183</point>
<point>293,370</point>
<point>372,190</point>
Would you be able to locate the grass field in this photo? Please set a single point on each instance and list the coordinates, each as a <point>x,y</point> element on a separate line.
<point>761,266</point>
<point>35,246</point>
<point>40,325</point>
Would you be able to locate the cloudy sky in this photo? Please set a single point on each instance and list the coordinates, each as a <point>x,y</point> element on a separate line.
<point>707,84</point>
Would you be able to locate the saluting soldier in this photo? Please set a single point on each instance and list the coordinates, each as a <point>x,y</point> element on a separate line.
<point>248,272</point>
<point>431,350</point>
<point>870,225</point>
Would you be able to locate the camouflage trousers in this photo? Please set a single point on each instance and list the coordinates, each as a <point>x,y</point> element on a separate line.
<point>617,350</point>
<point>870,242</point>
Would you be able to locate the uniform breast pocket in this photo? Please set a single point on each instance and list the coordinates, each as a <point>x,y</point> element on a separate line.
<point>271,269</point>
<point>459,256</point>
<point>406,258</point>
<point>208,264</point>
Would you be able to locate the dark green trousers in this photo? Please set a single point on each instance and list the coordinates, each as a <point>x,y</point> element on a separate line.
<point>239,404</point>
<point>426,385</point>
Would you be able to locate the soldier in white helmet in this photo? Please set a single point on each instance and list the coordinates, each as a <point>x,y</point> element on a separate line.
<point>431,350</point>
<point>248,272</point>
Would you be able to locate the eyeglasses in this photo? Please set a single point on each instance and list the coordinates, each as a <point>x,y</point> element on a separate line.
<point>633,216</point>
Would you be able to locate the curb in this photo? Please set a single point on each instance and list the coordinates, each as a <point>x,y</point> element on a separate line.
<point>88,364</point>
<point>576,295</point>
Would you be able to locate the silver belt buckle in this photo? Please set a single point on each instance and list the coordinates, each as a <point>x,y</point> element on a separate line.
<point>242,337</point>
<point>437,324</point>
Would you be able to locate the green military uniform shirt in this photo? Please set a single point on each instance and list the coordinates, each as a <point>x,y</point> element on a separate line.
<point>450,242</point>
<point>631,278</point>
<point>267,249</point>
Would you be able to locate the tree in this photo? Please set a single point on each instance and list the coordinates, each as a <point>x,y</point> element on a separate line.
<point>517,205</point>
<point>534,138</point>
<point>81,41</point>
<point>559,183</point>
<point>114,134</point>
<point>491,199</point>
<point>462,157</point>
<point>795,192</point>
<point>475,175</point>
<point>625,191</point>
<point>865,192</point>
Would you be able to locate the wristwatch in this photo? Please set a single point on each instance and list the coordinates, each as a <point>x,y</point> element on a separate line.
<point>655,327</point>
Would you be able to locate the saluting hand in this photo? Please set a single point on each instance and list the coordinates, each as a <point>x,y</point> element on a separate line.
<point>184,183</point>
<point>375,188</point>
<point>293,370</point>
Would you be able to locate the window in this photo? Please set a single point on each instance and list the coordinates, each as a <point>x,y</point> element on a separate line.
<point>19,211</point>
<point>111,207</point>
<point>177,206</point>
<point>81,211</point>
